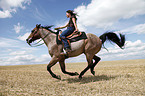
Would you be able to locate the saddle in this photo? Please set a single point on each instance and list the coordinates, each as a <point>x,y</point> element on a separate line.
<point>75,36</point>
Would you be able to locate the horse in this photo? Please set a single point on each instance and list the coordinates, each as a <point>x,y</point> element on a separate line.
<point>90,47</point>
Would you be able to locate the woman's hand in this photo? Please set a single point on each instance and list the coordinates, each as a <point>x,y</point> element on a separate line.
<point>57,28</point>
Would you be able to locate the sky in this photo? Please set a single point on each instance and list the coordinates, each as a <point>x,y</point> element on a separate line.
<point>19,17</point>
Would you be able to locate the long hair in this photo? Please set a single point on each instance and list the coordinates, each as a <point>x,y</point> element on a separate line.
<point>72,13</point>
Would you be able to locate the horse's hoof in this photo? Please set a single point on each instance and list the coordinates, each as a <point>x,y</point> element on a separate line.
<point>93,72</point>
<point>80,77</point>
<point>58,77</point>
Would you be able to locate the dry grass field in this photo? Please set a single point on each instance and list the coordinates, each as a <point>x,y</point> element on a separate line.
<point>113,78</point>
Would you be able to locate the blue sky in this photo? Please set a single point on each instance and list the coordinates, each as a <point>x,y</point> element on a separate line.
<point>19,17</point>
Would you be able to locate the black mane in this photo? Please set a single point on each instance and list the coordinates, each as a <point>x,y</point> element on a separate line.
<point>49,28</point>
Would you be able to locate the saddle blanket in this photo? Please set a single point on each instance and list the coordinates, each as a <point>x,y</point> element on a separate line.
<point>73,37</point>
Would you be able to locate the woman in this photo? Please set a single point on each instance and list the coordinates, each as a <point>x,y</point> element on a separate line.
<point>71,27</point>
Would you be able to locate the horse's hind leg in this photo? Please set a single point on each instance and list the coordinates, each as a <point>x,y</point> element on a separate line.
<point>62,65</point>
<point>97,59</point>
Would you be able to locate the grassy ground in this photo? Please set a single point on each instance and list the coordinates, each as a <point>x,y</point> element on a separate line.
<point>113,78</point>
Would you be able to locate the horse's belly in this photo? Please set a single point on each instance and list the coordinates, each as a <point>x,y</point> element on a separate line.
<point>77,48</point>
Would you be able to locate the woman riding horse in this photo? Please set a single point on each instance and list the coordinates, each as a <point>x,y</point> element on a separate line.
<point>71,27</point>
<point>90,47</point>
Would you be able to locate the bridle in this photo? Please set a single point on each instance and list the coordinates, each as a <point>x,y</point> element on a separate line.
<point>37,43</point>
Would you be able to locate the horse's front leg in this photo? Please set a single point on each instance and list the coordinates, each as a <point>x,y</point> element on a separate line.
<point>62,65</point>
<point>53,61</point>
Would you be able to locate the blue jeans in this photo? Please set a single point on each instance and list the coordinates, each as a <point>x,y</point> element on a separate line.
<point>66,33</point>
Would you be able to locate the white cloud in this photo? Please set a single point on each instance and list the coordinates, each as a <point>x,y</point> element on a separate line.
<point>19,59</point>
<point>44,58</point>
<point>16,52</point>
<point>10,6</point>
<point>8,43</point>
<point>104,13</point>
<point>4,14</point>
<point>139,29</point>
<point>23,57</point>
<point>81,27</point>
<point>24,37</point>
<point>18,28</point>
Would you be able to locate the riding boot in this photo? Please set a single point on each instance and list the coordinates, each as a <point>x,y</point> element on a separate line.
<point>67,51</point>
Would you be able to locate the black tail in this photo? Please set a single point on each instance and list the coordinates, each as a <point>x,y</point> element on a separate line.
<point>114,38</point>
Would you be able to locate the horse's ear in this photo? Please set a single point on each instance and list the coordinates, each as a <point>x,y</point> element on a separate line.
<point>38,26</point>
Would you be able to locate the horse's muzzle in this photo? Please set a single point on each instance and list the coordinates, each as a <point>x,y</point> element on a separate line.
<point>29,40</point>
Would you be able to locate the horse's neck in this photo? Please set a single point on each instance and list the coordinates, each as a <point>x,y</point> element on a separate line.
<point>48,38</point>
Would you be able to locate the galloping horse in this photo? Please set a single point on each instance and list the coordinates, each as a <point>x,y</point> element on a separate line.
<point>90,46</point>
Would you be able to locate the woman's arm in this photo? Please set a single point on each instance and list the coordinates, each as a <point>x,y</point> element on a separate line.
<point>74,21</point>
<point>61,27</point>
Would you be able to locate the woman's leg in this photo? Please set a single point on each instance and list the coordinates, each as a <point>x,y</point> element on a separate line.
<point>64,34</point>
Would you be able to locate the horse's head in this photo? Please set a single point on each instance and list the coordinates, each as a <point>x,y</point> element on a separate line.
<point>35,34</point>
